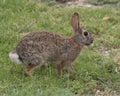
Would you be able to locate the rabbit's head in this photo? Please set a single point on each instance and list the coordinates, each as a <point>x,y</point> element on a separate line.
<point>81,36</point>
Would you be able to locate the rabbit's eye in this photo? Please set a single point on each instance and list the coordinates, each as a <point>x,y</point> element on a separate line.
<point>85,33</point>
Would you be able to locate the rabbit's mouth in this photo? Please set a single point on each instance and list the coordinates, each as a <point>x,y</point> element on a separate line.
<point>87,44</point>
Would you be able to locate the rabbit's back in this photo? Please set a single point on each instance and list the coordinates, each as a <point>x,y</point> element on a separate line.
<point>38,47</point>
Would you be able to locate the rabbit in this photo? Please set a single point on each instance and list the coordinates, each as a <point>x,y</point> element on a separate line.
<point>40,48</point>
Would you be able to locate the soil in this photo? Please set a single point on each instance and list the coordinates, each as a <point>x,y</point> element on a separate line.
<point>81,3</point>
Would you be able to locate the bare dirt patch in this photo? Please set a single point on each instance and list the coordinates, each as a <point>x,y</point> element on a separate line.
<point>80,3</point>
<point>107,92</point>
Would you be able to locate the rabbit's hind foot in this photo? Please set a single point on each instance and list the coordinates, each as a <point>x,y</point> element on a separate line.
<point>30,68</point>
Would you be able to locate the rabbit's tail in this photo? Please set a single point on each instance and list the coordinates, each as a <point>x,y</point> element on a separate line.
<point>15,57</point>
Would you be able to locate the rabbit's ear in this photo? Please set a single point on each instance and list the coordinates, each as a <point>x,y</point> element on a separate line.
<point>75,22</point>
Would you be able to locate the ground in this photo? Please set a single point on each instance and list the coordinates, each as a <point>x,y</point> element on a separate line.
<point>97,67</point>
<point>81,3</point>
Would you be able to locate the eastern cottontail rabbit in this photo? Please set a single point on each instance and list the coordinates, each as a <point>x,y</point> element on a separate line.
<point>38,48</point>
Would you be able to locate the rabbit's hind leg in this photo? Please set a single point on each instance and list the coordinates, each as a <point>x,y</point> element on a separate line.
<point>30,67</point>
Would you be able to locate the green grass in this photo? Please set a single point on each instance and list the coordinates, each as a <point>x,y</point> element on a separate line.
<point>95,71</point>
